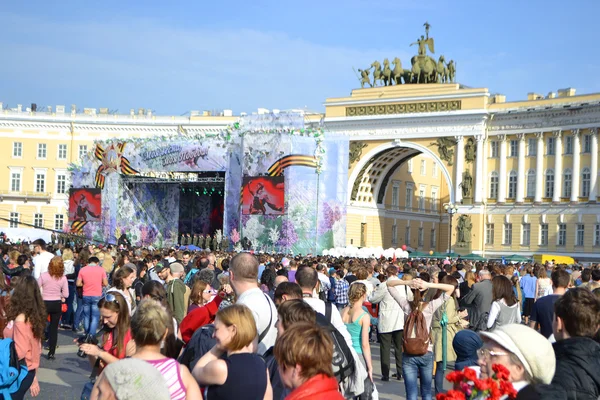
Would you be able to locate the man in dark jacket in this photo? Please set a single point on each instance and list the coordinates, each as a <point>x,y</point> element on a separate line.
<point>576,321</point>
<point>479,301</point>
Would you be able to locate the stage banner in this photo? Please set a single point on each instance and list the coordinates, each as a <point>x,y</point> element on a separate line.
<point>179,156</point>
<point>263,195</point>
<point>85,205</point>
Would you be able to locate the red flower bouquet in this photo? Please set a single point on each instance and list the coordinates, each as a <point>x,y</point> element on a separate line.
<point>467,386</point>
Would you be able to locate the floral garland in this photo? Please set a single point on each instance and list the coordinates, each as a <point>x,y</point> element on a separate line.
<point>468,386</point>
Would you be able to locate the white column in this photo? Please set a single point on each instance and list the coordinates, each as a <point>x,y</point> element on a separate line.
<point>576,177</point>
<point>502,174</point>
<point>521,169</point>
<point>479,157</point>
<point>557,166</point>
<point>594,166</point>
<point>459,167</point>
<point>539,168</point>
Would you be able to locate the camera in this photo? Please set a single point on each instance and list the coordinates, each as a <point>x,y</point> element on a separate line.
<point>89,339</point>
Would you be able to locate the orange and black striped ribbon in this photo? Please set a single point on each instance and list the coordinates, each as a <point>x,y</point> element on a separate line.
<point>77,226</point>
<point>292,160</point>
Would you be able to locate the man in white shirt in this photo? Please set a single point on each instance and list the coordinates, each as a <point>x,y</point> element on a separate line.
<point>243,275</point>
<point>42,259</point>
<point>391,324</point>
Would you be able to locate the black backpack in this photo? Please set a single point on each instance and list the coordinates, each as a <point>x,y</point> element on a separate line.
<point>343,361</point>
<point>201,342</point>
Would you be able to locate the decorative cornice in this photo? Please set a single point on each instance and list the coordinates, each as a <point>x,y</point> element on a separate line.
<point>403,108</point>
<point>546,120</point>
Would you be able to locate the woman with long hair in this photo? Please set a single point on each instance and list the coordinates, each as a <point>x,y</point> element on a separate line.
<point>116,340</point>
<point>122,281</point>
<point>69,261</point>
<point>505,306</point>
<point>26,316</point>
<point>451,325</point>
<point>141,277</point>
<point>543,283</point>
<point>358,323</point>
<point>242,374</point>
<point>156,291</point>
<point>150,326</point>
<point>415,365</point>
<point>201,294</point>
<point>55,291</point>
<point>467,284</point>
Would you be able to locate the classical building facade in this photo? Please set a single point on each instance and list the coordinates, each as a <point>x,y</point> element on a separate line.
<point>523,175</point>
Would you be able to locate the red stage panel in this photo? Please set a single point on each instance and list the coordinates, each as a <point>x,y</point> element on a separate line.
<point>85,205</point>
<point>263,195</point>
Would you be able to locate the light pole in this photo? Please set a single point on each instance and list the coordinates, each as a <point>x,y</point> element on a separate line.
<point>451,209</point>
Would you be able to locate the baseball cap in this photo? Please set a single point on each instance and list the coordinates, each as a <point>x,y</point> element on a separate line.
<point>176,267</point>
<point>159,267</point>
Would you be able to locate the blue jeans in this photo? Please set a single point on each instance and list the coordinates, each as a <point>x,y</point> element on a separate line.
<point>67,317</point>
<point>439,378</point>
<point>91,314</point>
<point>78,312</point>
<point>412,367</point>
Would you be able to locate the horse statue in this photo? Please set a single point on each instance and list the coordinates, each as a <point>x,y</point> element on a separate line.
<point>377,73</point>
<point>424,68</point>
<point>397,72</point>
<point>387,73</point>
<point>442,71</point>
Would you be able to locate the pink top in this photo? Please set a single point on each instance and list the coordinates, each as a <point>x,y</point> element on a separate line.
<point>170,369</point>
<point>92,276</point>
<point>53,289</point>
<point>28,347</point>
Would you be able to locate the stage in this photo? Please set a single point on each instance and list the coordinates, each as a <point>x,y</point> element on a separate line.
<point>267,178</point>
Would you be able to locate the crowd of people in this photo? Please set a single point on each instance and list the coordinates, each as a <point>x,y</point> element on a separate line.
<point>218,325</point>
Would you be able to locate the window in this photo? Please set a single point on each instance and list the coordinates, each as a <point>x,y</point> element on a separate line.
<point>587,143</point>
<point>14,220</point>
<point>59,222</point>
<point>432,239</point>
<point>434,200</point>
<point>580,235</point>
<point>526,238</point>
<point>422,199</point>
<point>38,220</point>
<point>532,147</point>
<point>40,183</point>
<point>550,146</point>
<point>494,185</point>
<point>544,235</point>
<point>395,197</point>
<point>409,166</point>
<point>409,196</point>
<point>585,182</point>
<point>423,167</point>
<point>407,236</point>
<point>494,149</point>
<point>567,183</point>
<point>395,234</point>
<point>514,148</point>
<point>489,234</point>
<point>512,185</point>
<point>531,183</point>
<point>562,235</point>
<point>549,190</point>
<point>597,235</point>
<point>421,237</point>
<point>17,150</point>
<point>82,150</point>
<point>434,170</point>
<point>61,184</point>
<point>507,234</point>
<point>62,151</point>
<point>15,182</point>
<point>42,151</point>
<point>569,144</point>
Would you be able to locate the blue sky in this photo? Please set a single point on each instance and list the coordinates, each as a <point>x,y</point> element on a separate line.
<point>177,56</point>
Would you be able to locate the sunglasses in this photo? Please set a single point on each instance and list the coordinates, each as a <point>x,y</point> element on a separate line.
<point>211,291</point>
<point>110,298</point>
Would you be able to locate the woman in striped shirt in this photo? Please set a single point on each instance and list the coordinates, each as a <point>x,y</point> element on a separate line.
<point>149,327</point>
